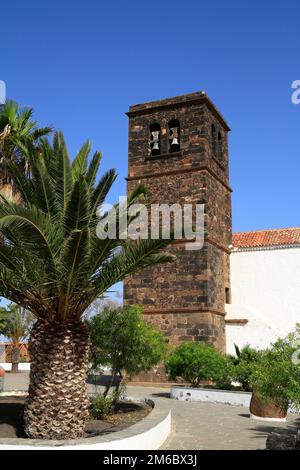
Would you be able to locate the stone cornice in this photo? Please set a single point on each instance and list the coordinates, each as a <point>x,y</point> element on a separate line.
<point>206,240</point>
<point>178,172</point>
<point>178,102</point>
<point>236,321</point>
<point>168,311</point>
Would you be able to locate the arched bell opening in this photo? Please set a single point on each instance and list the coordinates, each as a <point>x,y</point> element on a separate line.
<point>214,139</point>
<point>155,134</point>
<point>174,135</point>
<point>220,146</point>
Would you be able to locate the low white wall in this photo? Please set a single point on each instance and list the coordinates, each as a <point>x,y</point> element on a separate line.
<point>211,396</point>
<point>22,366</point>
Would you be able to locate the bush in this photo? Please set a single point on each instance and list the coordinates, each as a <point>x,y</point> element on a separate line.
<point>243,363</point>
<point>196,362</point>
<point>123,341</point>
<point>101,406</point>
<point>276,376</point>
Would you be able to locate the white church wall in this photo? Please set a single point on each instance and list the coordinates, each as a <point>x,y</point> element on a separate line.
<point>266,291</point>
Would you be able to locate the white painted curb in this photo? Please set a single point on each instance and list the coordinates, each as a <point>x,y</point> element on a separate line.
<point>151,439</point>
<point>275,420</point>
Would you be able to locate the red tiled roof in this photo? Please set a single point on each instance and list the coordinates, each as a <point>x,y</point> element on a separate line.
<point>261,238</point>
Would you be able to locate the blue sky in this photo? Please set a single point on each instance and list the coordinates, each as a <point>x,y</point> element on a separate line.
<point>81,64</point>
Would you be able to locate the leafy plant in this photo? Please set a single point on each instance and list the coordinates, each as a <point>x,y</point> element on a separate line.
<point>276,376</point>
<point>243,363</point>
<point>101,406</point>
<point>122,340</point>
<point>196,362</point>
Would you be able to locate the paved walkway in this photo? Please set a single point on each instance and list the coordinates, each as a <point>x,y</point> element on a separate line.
<point>208,426</point>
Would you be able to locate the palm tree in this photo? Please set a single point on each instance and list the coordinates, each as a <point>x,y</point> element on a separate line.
<point>16,126</point>
<point>15,324</point>
<point>53,264</point>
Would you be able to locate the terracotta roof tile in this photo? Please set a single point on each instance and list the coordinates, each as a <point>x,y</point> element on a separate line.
<point>261,238</point>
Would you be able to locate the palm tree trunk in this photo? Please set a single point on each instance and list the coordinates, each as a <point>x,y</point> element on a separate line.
<point>15,359</point>
<point>57,405</point>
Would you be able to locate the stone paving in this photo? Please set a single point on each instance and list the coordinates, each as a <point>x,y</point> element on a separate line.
<point>209,426</point>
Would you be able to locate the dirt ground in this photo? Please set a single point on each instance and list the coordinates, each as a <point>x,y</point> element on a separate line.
<point>11,421</point>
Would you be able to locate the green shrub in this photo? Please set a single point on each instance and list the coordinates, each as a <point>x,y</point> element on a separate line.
<point>122,340</point>
<point>196,362</point>
<point>101,406</point>
<point>276,376</point>
<point>243,363</point>
<point>223,380</point>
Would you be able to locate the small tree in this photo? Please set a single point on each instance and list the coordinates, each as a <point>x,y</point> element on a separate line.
<point>196,362</point>
<point>15,324</point>
<point>123,341</point>
<point>275,378</point>
<point>243,363</point>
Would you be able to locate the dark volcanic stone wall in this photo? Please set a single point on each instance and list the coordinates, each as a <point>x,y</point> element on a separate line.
<point>186,299</point>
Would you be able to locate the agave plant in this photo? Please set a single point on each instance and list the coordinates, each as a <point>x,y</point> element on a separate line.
<point>16,125</point>
<point>53,264</point>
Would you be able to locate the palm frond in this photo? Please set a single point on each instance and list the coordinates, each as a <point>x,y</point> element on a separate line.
<point>34,229</point>
<point>42,183</point>
<point>93,169</point>
<point>79,165</point>
<point>102,189</point>
<point>132,257</point>
<point>41,132</point>
<point>63,179</point>
<point>74,259</point>
<point>76,216</point>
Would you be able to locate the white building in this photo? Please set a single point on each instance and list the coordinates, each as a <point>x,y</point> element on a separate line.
<point>265,283</point>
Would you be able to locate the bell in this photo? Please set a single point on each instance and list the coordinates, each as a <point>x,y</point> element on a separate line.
<point>155,146</point>
<point>174,138</point>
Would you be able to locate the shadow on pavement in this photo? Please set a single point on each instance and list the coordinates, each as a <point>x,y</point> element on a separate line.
<point>161,395</point>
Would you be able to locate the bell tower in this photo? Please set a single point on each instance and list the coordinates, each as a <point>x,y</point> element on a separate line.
<point>178,149</point>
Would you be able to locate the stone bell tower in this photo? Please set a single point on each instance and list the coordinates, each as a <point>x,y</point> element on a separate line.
<point>178,150</point>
